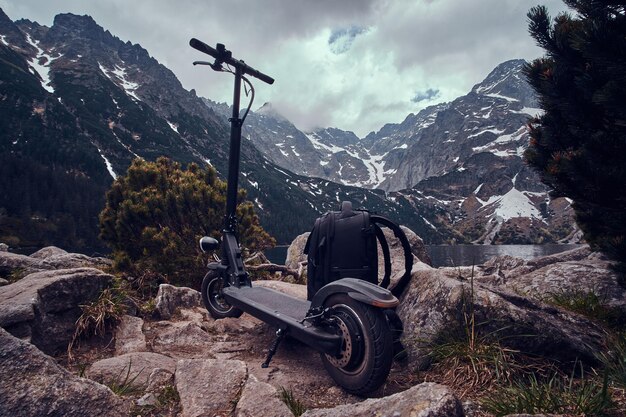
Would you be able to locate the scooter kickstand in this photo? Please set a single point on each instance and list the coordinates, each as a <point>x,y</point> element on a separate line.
<point>280,335</point>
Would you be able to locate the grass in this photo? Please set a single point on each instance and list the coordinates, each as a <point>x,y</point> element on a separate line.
<point>123,383</point>
<point>556,394</point>
<point>473,359</point>
<point>614,361</point>
<point>98,315</point>
<point>590,305</point>
<point>295,406</point>
<point>16,275</point>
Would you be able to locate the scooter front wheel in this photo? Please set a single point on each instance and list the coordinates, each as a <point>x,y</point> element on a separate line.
<point>213,298</point>
<point>366,354</point>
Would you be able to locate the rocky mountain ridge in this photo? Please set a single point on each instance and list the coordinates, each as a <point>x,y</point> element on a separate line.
<point>458,165</point>
<point>79,104</point>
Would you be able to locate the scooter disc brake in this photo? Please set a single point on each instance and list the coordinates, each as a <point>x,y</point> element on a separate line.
<point>343,359</point>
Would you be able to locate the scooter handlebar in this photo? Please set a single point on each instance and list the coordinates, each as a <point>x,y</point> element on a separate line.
<point>222,55</point>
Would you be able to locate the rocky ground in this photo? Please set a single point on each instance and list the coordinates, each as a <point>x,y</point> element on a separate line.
<point>179,361</point>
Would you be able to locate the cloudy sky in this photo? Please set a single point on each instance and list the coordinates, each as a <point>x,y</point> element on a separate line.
<point>351,64</point>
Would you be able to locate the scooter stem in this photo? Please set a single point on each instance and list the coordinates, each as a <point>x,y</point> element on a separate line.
<point>230,222</point>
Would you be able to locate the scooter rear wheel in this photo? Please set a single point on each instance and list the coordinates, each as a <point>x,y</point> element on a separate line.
<point>213,299</point>
<point>364,361</point>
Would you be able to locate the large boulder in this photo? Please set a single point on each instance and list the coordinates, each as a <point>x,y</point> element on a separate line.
<point>209,387</point>
<point>438,300</point>
<point>32,384</point>
<point>47,258</point>
<point>578,271</point>
<point>424,400</point>
<point>133,369</point>
<point>43,307</point>
<point>181,339</point>
<point>295,252</point>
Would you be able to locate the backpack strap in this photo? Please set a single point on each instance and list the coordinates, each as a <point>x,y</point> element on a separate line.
<point>385,247</point>
<point>408,255</point>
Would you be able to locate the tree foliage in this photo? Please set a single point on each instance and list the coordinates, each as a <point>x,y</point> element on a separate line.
<point>578,145</point>
<point>156,213</point>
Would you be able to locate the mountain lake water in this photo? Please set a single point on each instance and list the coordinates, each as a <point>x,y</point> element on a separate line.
<point>462,255</point>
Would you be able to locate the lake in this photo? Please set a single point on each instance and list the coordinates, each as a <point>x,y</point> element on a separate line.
<point>460,255</point>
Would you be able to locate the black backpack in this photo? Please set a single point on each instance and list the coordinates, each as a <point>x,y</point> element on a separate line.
<point>343,245</point>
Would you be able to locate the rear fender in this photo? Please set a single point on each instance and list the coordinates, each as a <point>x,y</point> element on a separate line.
<point>357,289</point>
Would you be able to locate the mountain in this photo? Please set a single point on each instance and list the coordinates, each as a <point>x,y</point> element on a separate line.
<point>78,104</point>
<point>459,165</point>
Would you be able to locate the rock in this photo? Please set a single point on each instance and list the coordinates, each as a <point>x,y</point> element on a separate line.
<point>129,336</point>
<point>575,272</point>
<point>209,387</point>
<point>4,247</point>
<point>181,340</point>
<point>132,368</point>
<point>159,379</point>
<point>433,305</point>
<point>169,298</point>
<point>47,252</point>
<point>11,263</point>
<point>423,400</point>
<point>295,252</point>
<point>260,399</point>
<point>44,306</point>
<point>147,400</point>
<point>506,266</point>
<point>32,384</point>
<point>76,260</point>
<point>3,282</point>
<point>56,258</point>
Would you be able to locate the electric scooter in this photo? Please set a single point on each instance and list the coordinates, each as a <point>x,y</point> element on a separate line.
<point>344,321</point>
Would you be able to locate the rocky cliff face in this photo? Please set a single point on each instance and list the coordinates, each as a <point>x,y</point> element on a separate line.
<point>79,104</point>
<point>459,165</point>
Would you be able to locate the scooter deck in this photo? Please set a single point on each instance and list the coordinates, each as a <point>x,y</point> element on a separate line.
<point>274,300</point>
<point>282,311</point>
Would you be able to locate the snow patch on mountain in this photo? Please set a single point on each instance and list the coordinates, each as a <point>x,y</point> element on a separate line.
<point>43,70</point>
<point>512,204</point>
<point>107,163</point>
<point>120,78</point>
<point>317,144</point>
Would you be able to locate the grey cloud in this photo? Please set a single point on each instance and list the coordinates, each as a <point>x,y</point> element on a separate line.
<point>446,43</point>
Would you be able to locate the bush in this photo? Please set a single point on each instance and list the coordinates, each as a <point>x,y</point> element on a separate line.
<point>156,213</point>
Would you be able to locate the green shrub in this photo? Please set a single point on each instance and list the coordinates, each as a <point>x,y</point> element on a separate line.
<point>156,213</point>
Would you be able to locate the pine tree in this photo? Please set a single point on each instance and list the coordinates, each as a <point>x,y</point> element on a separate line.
<point>578,145</point>
<point>156,213</point>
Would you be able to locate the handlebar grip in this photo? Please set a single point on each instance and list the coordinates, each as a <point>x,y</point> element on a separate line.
<point>260,75</point>
<point>228,59</point>
<point>203,47</point>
